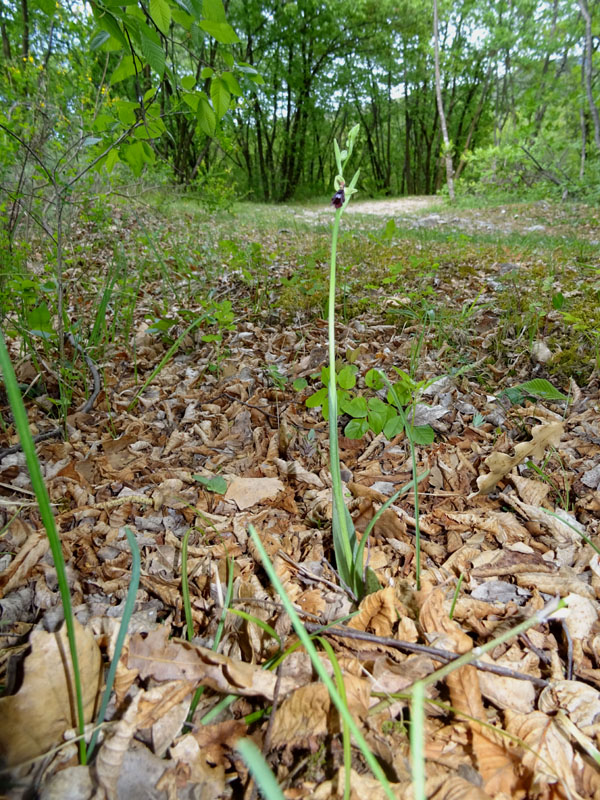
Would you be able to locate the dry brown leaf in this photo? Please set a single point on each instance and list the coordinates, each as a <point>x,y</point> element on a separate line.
<point>198,768</point>
<point>509,692</point>
<point>588,778</point>
<point>216,740</point>
<point>560,583</point>
<point>530,491</point>
<point>19,569</point>
<point>247,492</point>
<point>302,717</point>
<point>500,464</point>
<point>392,677</point>
<point>580,619</point>
<point>493,760</point>
<point>549,755</point>
<point>157,657</point>
<point>37,716</point>
<point>364,785</point>
<point>563,527</point>
<point>358,692</point>
<point>580,701</point>
<point>376,613</point>
<point>457,788</point>
<point>146,708</point>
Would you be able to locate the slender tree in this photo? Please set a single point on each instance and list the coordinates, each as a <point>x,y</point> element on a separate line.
<point>440,104</point>
<point>589,52</point>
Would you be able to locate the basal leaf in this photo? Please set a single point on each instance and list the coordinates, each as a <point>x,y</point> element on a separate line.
<point>316,399</point>
<point>356,428</point>
<point>216,483</point>
<point>540,387</point>
<point>374,380</point>
<point>422,434</point>
<point>393,427</point>
<point>347,377</point>
<point>354,406</point>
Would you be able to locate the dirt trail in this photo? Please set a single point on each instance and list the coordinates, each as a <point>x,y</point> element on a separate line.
<point>541,218</point>
<point>398,205</point>
<point>381,208</point>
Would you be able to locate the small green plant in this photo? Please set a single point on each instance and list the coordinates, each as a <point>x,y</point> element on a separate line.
<point>373,413</point>
<point>345,542</point>
<point>561,492</point>
<point>275,376</point>
<point>536,389</point>
<point>306,640</point>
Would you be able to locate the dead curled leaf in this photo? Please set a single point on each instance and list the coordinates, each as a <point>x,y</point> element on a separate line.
<point>500,464</point>
<point>302,717</point>
<point>35,719</point>
<point>146,709</point>
<point>493,760</point>
<point>19,569</point>
<point>162,659</point>
<point>247,492</point>
<point>376,613</point>
<point>581,702</point>
<point>549,754</point>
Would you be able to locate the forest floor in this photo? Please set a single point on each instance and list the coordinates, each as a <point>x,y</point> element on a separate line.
<point>209,338</point>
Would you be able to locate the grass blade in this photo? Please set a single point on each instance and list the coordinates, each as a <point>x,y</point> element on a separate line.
<point>260,770</point>
<point>339,680</point>
<point>185,586</point>
<point>319,667</point>
<point>134,582</point>
<point>41,493</point>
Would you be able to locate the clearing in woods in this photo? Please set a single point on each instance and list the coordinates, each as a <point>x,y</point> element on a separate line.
<point>492,316</point>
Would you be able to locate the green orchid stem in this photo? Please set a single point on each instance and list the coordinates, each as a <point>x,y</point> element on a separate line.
<point>334,450</point>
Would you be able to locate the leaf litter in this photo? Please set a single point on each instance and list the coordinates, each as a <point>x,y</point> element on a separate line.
<point>219,440</point>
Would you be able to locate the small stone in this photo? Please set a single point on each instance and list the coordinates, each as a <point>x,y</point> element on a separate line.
<point>540,353</point>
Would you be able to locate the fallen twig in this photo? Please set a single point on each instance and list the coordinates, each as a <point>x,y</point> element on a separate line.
<point>411,647</point>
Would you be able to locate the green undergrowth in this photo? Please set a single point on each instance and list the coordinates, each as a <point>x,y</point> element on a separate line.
<point>484,296</point>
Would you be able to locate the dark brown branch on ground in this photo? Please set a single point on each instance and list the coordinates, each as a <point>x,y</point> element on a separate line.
<point>410,647</point>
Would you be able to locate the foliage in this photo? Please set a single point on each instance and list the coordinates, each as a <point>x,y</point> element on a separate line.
<point>373,413</point>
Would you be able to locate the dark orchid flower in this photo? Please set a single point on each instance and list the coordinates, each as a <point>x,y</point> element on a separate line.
<point>338,198</point>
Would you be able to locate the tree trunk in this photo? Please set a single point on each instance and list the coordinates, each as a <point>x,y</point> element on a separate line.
<point>438,93</point>
<point>25,40</point>
<point>584,131</point>
<point>589,51</point>
<point>6,49</point>
<point>473,125</point>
